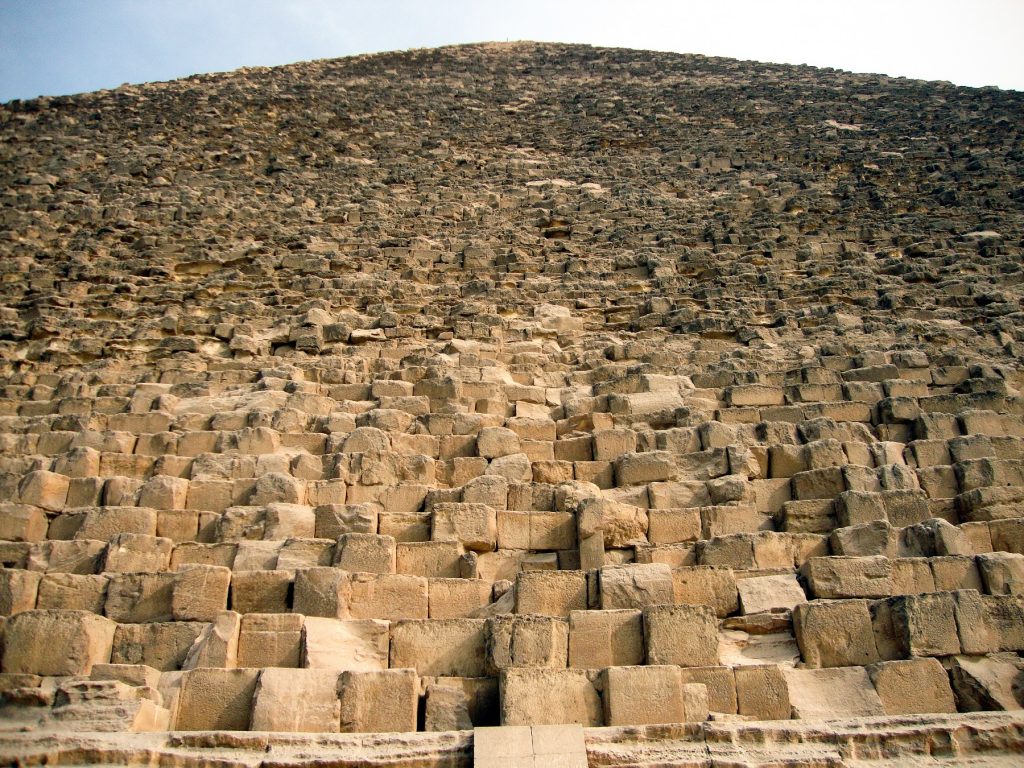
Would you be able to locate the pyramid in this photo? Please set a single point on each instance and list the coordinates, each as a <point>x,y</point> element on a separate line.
<point>513,404</point>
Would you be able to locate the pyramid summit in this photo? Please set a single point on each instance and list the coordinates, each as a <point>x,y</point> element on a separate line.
<point>510,404</point>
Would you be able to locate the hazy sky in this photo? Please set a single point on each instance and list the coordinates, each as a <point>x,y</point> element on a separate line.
<point>68,46</point>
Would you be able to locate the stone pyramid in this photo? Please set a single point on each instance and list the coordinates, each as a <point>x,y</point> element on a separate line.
<point>524,404</point>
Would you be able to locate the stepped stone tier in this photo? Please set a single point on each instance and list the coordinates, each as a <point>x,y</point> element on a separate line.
<point>520,404</point>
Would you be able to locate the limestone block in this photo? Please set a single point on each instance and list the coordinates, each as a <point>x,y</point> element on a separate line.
<point>304,700</point>
<point>456,598</point>
<point>987,683</point>
<point>22,522</point>
<point>495,442</point>
<point>73,591</point>
<point>912,576</point>
<point>103,523</point>
<point>52,642</point>
<point>705,585</point>
<point>440,647</point>
<point>44,489</point>
<point>671,526</point>
<point>217,643</point>
<point>378,702</point>
<point>278,487</point>
<point>270,640</point>
<point>835,633</point>
<point>429,558</point>
<point>387,596</point>
<point>636,585</point>
<point>916,625</point>
<point>568,696</point>
<point>256,555</point>
<point>446,708</point>
<point>200,592</point>
<point>762,692</point>
<point>527,641</point>
<point>767,593</point>
<point>333,520</point>
<point>260,591</point>
<point>473,525</point>
<point>599,639</point>
<point>366,553</point>
<point>164,646</point>
<point>305,553</point>
<point>137,553</point>
<point>1004,616</point>
<point>647,467</point>
<point>913,686</point>
<point>134,598</point>
<point>832,694</point>
<point>551,593</point>
<point>18,590</point>
<point>356,645</point>
<point>643,695</point>
<point>516,468</point>
<point>216,699</point>
<point>138,675</point>
<point>682,494</point>
<point>552,530</point>
<point>288,520</point>
<point>823,483</point>
<point>958,572</point>
<point>849,577</point>
<point>684,635</point>
<point>1002,572</point>
<point>719,683</point>
<point>164,492</point>
<point>610,444</point>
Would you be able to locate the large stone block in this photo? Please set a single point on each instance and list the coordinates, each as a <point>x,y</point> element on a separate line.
<point>378,702</point>
<point>832,694</point>
<point>527,641</point>
<point>355,645</point>
<point>549,697</point>
<point>769,593</point>
<point>685,635</point>
<point>51,642</point>
<point>644,695</point>
<point>366,553</point>
<point>18,590</point>
<point>835,633</point>
<point>134,598</point>
<point>762,692</point>
<point>551,593</point>
<point>720,683</point>
<point>270,640</point>
<point>916,625</point>
<point>913,686</point>
<point>73,591</point>
<point>216,699</point>
<point>475,526</point>
<point>164,646</point>
<point>386,596</point>
<point>200,592</point>
<point>440,647</point>
<point>849,577</point>
<point>636,585</point>
<point>261,591</point>
<point>304,700</point>
<point>599,639</point>
<point>706,585</point>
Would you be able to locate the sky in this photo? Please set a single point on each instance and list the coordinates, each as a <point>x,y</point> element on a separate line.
<point>55,47</point>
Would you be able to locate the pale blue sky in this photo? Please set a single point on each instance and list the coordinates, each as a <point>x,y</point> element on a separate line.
<point>67,46</point>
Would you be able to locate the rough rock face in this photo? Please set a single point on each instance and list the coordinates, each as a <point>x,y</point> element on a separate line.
<point>525,385</point>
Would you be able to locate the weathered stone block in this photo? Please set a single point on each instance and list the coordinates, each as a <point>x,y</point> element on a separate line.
<point>551,593</point>
<point>835,633</point>
<point>913,686</point>
<point>304,700</point>
<point>378,702</point>
<point>527,641</point>
<point>52,642</point>
<point>636,586</point>
<point>685,635</point>
<point>599,639</point>
<point>569,696</point>
<point>216,699</point>
<point>440,647</point>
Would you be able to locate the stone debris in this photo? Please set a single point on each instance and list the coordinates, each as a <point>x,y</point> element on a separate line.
<point>518,385</point>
